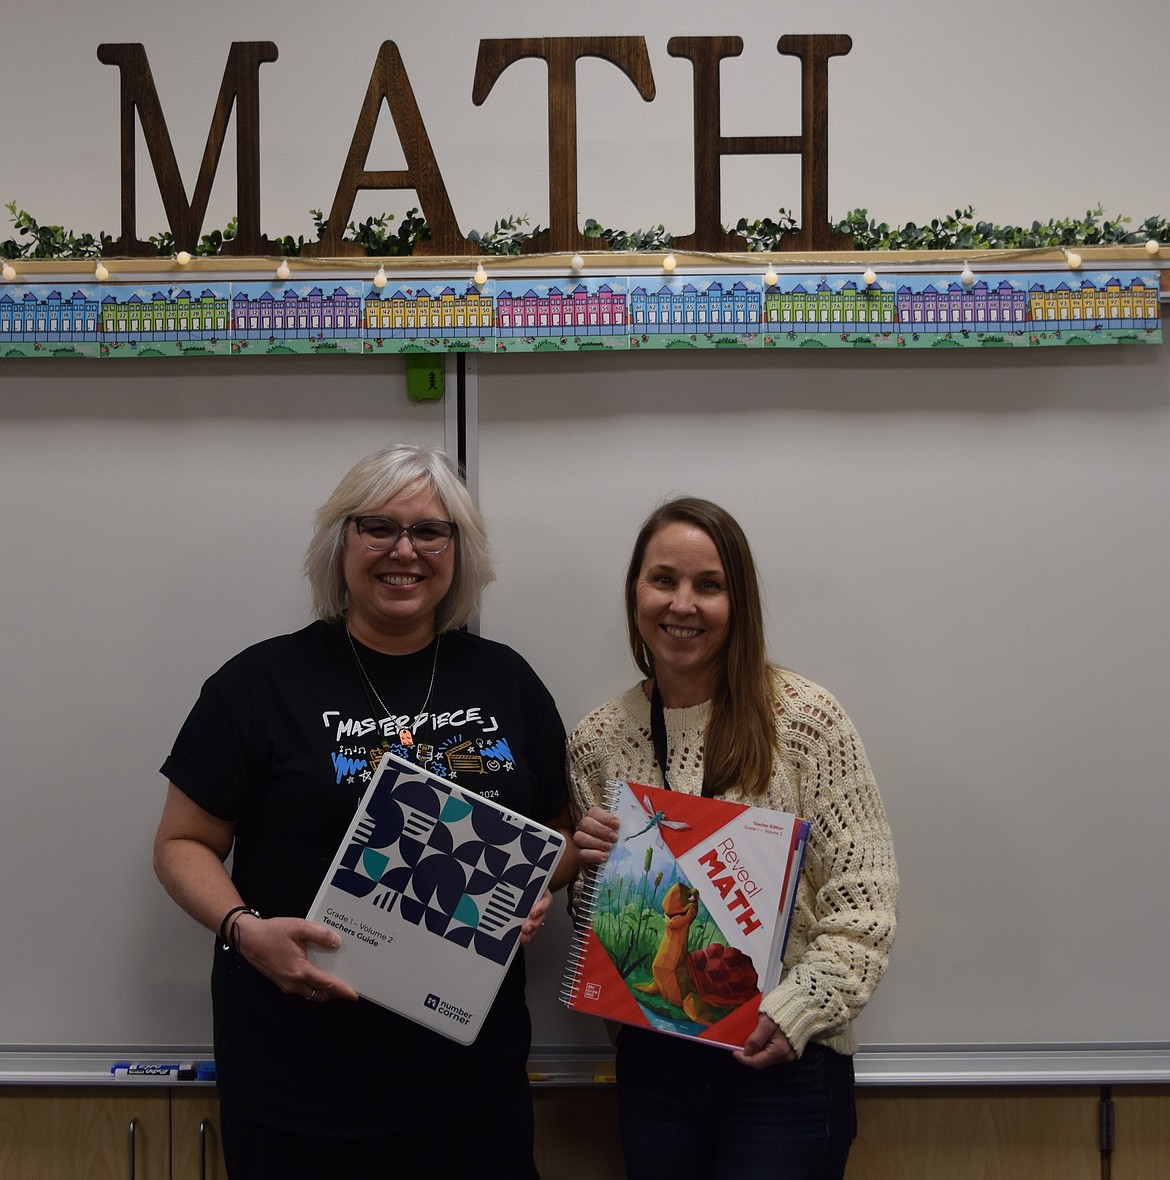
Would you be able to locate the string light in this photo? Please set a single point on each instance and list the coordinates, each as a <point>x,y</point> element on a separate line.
<point>967,276</point>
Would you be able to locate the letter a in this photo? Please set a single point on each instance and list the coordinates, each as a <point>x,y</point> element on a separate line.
<point>389,82</point>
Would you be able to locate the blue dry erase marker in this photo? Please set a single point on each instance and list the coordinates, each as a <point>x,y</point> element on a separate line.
<point>180,1071</point>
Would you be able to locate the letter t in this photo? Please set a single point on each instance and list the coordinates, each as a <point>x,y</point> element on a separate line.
<point>561,55</point>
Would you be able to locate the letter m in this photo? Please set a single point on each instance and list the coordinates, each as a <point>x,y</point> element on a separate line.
<point>241,81</point>
<point>712,861</point>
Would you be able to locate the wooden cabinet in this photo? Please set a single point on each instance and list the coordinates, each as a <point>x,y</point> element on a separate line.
<point>1141,1120</point>
<point>67,1133</point>
<point>50,1132</point>
<point>196,1150</point>
<point>108,1133</point>
<point>1007,1132</point>
<point>577,1134</point>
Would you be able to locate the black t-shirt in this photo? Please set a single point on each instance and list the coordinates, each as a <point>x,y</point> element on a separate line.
<point>283,741</point>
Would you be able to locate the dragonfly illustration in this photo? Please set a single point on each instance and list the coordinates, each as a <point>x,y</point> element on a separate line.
<point>658,821</point>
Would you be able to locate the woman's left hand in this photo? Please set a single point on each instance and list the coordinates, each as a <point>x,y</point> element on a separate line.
<point>766,1046</point>
<point>535,919</point>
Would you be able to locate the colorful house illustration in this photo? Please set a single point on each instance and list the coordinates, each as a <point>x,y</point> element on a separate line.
<point>579,311</point>
<point>850,308</point>
<point>722,305</point>
<point>294,316</point>
<point>690,309</point>
<point>55,319</point>
<point>422,314</point>
<point>1090,306</point>
<point>954,307</point>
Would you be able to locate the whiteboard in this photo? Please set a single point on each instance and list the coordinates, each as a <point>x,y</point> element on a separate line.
<point>971,554</point>
<point>154,521</point>
<point>969,551</point>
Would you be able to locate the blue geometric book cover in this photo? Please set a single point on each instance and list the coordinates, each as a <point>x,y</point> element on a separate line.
<point>428,891</point>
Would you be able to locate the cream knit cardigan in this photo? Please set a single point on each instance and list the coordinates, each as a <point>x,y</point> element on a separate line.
<point>846,906</point>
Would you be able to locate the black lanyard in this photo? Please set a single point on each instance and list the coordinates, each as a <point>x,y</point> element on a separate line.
<point>658,737</point>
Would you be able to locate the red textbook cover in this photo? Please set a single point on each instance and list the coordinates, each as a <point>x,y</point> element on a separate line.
<point>686,922</point>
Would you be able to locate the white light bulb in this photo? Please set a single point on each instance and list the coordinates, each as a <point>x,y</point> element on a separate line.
<point>669,263</point>
<point>480,276</point>
<point>1073,259</point>
<point>282,271</point>
<point>1153,246</point>
<point>9,271</point>
<point>576,262</point>
<point>182,258</point>
<point>967,278</point>
<point>869,277</point>
<point>100,272</point>
<point>380,277</point>
<point>770,277</point>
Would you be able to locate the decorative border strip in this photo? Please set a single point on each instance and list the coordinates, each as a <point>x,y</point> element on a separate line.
<point>520,312</point>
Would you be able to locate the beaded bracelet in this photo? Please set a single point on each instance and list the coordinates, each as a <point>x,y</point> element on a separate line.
<point>226,937</point>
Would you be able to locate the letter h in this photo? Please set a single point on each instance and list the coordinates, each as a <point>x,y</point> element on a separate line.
<point>705,54</point>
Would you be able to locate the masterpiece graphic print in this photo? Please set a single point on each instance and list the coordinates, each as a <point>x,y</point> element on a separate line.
<point>444,744</point>
<point>466,873</point>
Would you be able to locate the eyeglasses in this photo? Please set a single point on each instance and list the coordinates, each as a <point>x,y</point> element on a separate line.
<point>380,533</point>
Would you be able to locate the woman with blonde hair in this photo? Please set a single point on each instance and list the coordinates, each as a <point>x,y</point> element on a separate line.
<point>269,767</point>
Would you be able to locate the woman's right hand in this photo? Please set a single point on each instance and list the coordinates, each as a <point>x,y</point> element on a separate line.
<point>190,847</point>
<point>276,947</point>
<point>596,834</point>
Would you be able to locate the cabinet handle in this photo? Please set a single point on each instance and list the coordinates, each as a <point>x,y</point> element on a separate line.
<point>133,1128</point>
<point>202,1149</point>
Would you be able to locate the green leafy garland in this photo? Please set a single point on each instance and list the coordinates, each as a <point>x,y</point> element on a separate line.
<point>958,231</point>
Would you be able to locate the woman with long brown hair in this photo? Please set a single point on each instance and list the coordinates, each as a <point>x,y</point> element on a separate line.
<point>732,724</point>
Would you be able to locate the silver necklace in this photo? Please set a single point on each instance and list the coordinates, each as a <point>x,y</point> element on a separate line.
<point>406,735</point>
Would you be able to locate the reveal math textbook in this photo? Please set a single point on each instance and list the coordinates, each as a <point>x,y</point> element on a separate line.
<point>686,921</point>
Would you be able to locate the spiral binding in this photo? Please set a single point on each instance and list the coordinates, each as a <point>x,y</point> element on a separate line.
<point>590,891</point>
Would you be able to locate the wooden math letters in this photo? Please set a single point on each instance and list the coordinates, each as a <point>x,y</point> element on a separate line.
<point>389,83</point>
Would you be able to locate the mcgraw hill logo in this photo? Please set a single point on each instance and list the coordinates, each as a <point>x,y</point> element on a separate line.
<point>432,1001</point>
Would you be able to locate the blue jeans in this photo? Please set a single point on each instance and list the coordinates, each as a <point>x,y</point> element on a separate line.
<point>692,1111</point>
